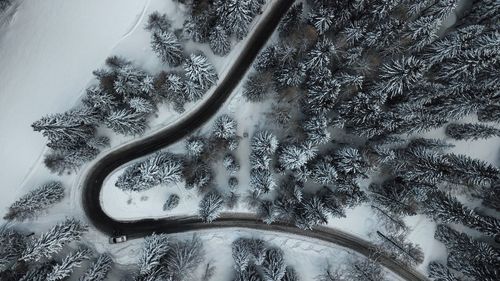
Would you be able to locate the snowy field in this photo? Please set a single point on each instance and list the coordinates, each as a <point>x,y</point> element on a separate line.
<point>48,50</point>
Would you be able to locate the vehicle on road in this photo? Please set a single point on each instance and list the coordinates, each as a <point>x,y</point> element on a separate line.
<point>117,239</point>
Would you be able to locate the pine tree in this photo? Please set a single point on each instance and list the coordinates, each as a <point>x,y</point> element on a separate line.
<point>294,156</point>
<point>316,129</point>
<point>394,197</point>
<point>37,200</point>
<point>266,60</point>
<point>241,252</point>
<point>322,19</point>
<point>264,143</point>
<point>440,272</point>
<point>166,45</point>
<point>274,266</point>
<point>64,129</point>
<point>322,91</point>
<point>231,164</point>
<point>258,87</point>
<point>211,206</point>
<point>261,181</point>
<point>471,131</point>
<point>53,240</point>
<point>12,244</point>
<point>99,269</point>
<point>142,105</point>
<point>319,57</point>
<point>198,175</point>
<point>396,246</point>
<point>200,71</point>
<point>38,273</point>
<point>220,42</point>
<point>324,172</point>
<point>183,259</point>
<point>154,248</point>
<point>158,22</point>
<point>126,122</point>
<point>446,209</point>
<point>195,146</point>
<point>224,127</point>
<point>399,75</point>
<point>68,264</point>
<point>160,168</point>
<point>238,17</point>
<point>67,161</point>
<point>172,202</point>
<point>490,113</point>
<point>291,21</point>
<point>366,269</point>
<point>130,81</point>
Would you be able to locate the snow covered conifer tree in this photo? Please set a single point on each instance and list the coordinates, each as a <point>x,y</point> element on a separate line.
<point>99,269</point>
<point>172,202</point>
<point>440,272</point>
<point>224,127</point>
<point>12,244</point>
<point>241,253</point>
<point>231,163</point>
<point>471,131</point>
<point>320,55</point>
<point>64,129</point>
<point>399,75</point>
<point>261,181</point>
<point>159,168</point>
<point>127,122</point>
<point>402,250</point>
<point>238,17</point>
<point>67,161</point>
<point>32,203</point>
<point>69,263</point>
<point>324,172</point>
<point>294,156</point>
<point>257,87</point>
<point>142,105</point>
<point>219,41</point>
<point>274,266</point>
<point>195,146</point>
<point>53,240</point>
<point>264,142</point>
<point>322,19</point>
<point>183,259</point>
<point>155,247</point>
<point>291,21</point>
<point>158,22</point>
<point>166,45</point>
<point>200,71</point>
<point>211,206</point>
<point>266,60</point>
<point>198,175</point>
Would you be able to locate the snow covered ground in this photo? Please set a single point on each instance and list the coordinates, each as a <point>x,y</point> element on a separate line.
<point>48,50</point>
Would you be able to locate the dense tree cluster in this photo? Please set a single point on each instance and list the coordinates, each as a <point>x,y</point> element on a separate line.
<point>255,260</point>
<point>32,257</point>
<point>217,22</point>
<point>37,200</point>
<point>165,259</point>
<point>160,168</point>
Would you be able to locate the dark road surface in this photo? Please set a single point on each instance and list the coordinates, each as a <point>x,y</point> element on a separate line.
<point>96,175</point>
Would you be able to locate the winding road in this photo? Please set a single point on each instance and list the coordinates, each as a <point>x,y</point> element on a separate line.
<point>94,179</point>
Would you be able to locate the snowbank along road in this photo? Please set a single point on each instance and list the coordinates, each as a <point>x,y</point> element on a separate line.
<point>96,175</point>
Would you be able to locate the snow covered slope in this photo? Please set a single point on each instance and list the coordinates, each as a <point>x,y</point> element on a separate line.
<point>48,50</point>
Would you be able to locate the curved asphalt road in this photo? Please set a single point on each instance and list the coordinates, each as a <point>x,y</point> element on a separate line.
<point>96,175</point>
